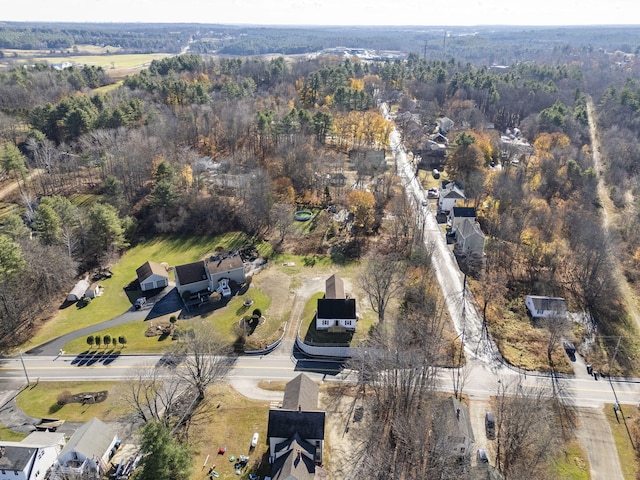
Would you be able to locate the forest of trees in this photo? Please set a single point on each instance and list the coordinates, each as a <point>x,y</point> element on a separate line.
<point>198,145</point>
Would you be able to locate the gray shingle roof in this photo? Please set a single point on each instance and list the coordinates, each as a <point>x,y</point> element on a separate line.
<point>225,264</point>
<point>16,458</point>
<point>300,393</point>
<point>92,439</point>
<point>334,287</point>
<point>292,466</point>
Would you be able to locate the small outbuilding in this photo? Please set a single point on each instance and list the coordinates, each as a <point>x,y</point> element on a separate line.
<point>94,290</point>
<point>78,291</point>
<point>152,275</point>
<point>546,307</point>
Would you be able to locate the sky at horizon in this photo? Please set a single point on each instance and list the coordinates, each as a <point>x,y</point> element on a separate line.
<point>330,12</point>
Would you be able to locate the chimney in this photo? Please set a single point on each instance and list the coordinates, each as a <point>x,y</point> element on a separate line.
<point>299,408</point>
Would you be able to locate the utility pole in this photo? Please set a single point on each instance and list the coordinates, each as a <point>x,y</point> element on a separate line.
<point>424,55</point>
<point>25,369</point>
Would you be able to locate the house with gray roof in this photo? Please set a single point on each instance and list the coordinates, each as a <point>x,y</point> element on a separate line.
<point>450,195</point>
<point>31,458</point>
<point>546,307</point>
<point>86,455</point>
<point>295,433</point>
<point>458,214</point>
<point>231,268</point>
<point>469,238</point>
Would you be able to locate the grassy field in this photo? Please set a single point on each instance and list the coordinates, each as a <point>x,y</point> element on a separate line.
<point>115,301</point>
<point>231,426</point>
<point>41,401</point>
<point>9,435</point>
<point>624,447</point>
<point>571,463</point>
<point>106,61</point>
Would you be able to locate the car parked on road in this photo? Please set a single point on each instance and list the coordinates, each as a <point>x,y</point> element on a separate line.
<point>490,425</point>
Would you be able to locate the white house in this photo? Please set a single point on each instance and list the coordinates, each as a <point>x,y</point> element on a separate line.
<point>31,458</point>
<point>94,290</point>
<point>450,195</point>
<point>152,275</point>
<point>78,290</point>
<point>335,309</point>
<point>231,268</point>
<point>545,307</point>
<point>469,238</point>
<point>86,455</point>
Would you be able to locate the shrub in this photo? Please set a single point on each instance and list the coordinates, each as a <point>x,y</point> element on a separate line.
<point>106,340</point>
<point>98,340</point>
<point>64,397</point>
<point>257,313</point>
<point>122,340</point>
<point>90,340</point>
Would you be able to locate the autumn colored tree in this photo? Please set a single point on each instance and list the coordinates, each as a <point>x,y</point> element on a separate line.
<point>361,203</point>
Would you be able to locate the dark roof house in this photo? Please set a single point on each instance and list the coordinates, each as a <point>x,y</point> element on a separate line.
<point>152,275</point>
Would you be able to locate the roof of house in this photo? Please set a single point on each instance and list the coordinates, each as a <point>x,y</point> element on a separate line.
<point>150,268</point>
<point>285,423</point>
<point>225,264</point>
<point>191,273</point>
<point>461,212</point>
<point>293,466</point>
<point>469,227</point>
<point>451,190</point>
<point>43,439</point>
<point>79,288</point>
<point>334,287</point>
<point>92,439</point>
<point>340,308</point>
<point>550,304</point>
<point>296,443</point>
<point>16,458</point>
<point>300,393</point>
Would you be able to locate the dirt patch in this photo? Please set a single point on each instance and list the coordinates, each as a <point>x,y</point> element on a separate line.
<point>83,398</point>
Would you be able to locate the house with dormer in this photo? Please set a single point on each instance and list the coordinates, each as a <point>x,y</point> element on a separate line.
<point>295,433</point>
<point>451,195</point>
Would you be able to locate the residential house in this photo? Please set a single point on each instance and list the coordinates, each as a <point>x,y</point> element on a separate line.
<point>433,149</point>
<point>86,455</point>
<point>338,180</point>
<point>152,275</point>
<point>546,307</point>
<point>469,238</point>
<point>192,278</point>
<point>230,268</point>
<point>335,311</point>
<point>452,430</point>
<point>78,291</point>
<point>31,458</point>
<point>295,433</point>
<point>450,195</point>
<point>444,125</point>
<point>458,214</point>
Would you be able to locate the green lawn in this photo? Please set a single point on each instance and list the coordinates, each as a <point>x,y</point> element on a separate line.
<point>115,301</point>
<point>7,435</point>
<point>41,401</point>
<point>309,333</point>
<point>571,463</point>
<point>624,447</point>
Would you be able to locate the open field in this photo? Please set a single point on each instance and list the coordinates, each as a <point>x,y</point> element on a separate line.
<point>106,61</point>
<point>624,445</point>
<point>41,401</point>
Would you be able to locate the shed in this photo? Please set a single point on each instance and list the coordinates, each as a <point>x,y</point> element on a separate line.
<point>152,275</point>
<point>95,290</point>
<point>78,291</point>
<point>545,307</point>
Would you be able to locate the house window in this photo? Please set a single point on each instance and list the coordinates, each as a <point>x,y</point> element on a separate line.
<point>325,322</point>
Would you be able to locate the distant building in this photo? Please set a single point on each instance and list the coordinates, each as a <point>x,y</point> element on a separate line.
<point>31,458</point>
<point>546,307</point>
<point>450,195</point>
<point>469,238</point>
<point>458,214</point>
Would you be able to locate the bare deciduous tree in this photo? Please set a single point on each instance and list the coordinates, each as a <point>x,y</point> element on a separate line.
<point>207,359</point>
<point>380,281</point>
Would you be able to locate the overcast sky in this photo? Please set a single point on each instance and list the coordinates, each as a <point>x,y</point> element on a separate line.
<point>330,12</point>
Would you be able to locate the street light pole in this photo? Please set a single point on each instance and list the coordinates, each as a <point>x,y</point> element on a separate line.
<point>24,368</point>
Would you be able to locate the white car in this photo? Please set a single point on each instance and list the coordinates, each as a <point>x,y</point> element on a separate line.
<point>254,440</point>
